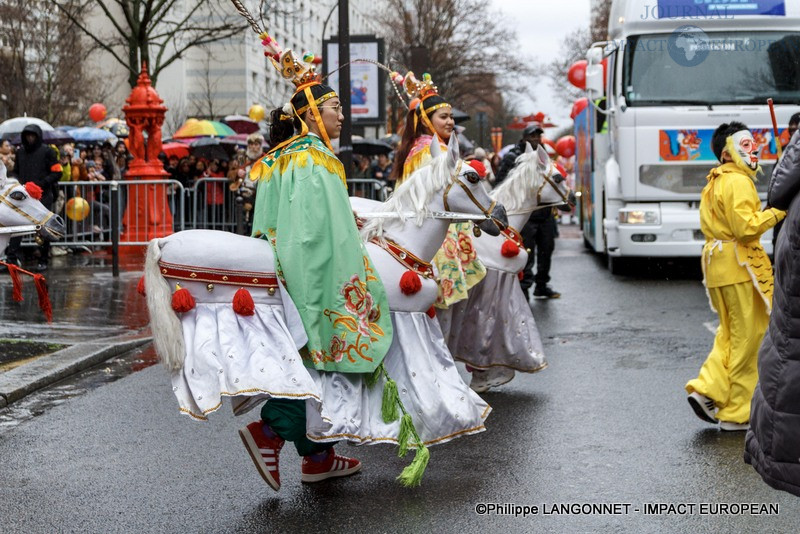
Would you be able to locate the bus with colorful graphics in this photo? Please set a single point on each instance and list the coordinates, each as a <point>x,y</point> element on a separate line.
<point>669,74</point>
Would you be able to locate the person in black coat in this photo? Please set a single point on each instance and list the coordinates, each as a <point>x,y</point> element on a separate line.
<point>772,445</point>
<point>539,233</point>
<point>37,163</point>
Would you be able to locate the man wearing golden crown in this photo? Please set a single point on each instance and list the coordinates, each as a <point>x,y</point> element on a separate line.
<point>302,208</point>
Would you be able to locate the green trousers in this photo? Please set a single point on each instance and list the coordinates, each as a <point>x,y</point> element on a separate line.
<point>287,418</point>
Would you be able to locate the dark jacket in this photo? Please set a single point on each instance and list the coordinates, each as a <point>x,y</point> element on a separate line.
<point>773,442</point>
<point>38,163</point>
<point>508,162</point>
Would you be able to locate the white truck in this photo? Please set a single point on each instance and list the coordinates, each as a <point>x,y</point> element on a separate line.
<point>675,70</point>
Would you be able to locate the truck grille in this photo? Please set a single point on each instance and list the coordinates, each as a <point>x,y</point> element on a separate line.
<point>688,179</point>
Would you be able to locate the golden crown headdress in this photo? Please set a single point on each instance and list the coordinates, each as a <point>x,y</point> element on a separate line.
<point>419,89</point>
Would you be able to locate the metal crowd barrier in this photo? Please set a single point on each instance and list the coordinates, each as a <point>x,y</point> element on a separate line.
<point>368,188</point>
<point>109,220</point>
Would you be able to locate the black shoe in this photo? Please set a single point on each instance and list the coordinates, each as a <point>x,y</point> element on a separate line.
<point>545,292</point>
<point>42,267</point>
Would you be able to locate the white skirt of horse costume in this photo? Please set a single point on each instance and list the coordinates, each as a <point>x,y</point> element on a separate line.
<point>251,358</point>
<point>494,326</point>
<point>430,388</point>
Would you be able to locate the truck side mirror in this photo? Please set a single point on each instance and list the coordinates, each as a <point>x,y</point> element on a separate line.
<point>594,81</point>
<point>594,73</point>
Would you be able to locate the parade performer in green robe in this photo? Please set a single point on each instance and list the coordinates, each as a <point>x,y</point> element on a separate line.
<point>302,208</point>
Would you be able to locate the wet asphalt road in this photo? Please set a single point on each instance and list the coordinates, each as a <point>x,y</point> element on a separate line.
<point>607,422</point>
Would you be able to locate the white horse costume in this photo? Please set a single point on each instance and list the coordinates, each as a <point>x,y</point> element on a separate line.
<point>21,214</point>
<point>493,330</point>
<point>213,351</point>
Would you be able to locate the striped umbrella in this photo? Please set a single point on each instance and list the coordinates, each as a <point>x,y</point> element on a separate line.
<point>203,128</point>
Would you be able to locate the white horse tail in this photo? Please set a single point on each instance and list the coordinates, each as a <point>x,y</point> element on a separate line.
<point>166,327</point>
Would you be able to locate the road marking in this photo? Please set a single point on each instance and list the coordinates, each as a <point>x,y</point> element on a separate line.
<point>711,326</point>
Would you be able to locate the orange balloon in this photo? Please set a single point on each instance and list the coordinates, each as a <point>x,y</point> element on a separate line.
<point>77,209</point>
<point>577,74</point>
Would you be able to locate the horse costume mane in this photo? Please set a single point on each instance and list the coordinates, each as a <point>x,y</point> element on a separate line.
<point>415,192</point>
<point>513,192</point>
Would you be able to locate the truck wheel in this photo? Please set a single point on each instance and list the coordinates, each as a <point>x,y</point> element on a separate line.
<point>616,266</point>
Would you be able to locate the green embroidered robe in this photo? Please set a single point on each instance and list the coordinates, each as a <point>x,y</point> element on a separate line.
<point>303,209</point>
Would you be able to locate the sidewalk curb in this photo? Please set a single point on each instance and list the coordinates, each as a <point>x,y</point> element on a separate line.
<point>26,379</point>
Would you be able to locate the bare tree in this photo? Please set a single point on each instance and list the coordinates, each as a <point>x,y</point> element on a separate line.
<point>157,32</point>
<point>463,42</point>
<point>574,47</point>
<point>44,68</point>
<point>207,103</point>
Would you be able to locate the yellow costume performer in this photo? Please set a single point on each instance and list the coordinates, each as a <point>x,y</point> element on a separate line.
<point>738,278</point>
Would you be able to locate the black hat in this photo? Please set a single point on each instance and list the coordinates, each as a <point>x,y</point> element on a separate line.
<point>532,129</point>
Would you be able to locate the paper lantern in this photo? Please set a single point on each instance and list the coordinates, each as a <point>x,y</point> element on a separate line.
<point>97,112</point>
<point>256,112</point>
<point>77,209</point>
<point>577,74</point>
<point>565,146</point>
<point>578,107</point>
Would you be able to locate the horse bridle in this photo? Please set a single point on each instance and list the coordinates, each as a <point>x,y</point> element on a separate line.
<point>487,212</point>
<point>4,200</point>
<point>548,180</point>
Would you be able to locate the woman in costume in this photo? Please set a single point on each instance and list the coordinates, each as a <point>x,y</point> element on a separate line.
<point>737,275</point>
<point>303,210</point>
<point>457,262</point>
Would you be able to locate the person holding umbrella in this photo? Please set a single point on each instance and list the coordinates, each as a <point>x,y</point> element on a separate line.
<point>37,163</point>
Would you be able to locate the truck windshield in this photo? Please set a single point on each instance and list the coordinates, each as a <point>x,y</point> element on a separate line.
<point>690,67</point>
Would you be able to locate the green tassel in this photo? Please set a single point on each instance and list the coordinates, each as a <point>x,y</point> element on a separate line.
<point>372,378</point>
<point>390,401</point>
<point>406,427</point>
<point>412,474</point>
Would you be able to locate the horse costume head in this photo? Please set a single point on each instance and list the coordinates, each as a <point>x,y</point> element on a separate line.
<point>446,185</point>
<point>535,181</point>
<point>19,206</point>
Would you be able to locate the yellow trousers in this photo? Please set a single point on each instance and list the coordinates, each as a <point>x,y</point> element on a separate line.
<point>730,372</point>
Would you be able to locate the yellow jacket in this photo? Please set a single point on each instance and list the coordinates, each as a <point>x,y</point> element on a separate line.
<point>732,221</point>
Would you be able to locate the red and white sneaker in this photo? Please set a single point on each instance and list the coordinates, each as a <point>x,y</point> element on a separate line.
<point>264,451</point>
<point>333,466</point>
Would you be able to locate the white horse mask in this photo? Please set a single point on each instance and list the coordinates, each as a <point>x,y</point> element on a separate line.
<point>19,208</point>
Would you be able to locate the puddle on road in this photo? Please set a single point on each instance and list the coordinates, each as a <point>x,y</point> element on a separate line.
<point>106,372</point>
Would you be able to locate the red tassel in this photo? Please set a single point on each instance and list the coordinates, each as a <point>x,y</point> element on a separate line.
<point>44,298</point>
<point>34,190</point>
<point>509,249</point>
<point>182,300</point>
<point>520,275</point>
<point>431,312</point>
<point>13,272</point>
<point>410,283</point>
<point>140,287</point>
<point>243,302</point>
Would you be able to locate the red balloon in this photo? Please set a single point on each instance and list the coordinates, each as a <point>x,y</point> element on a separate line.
<point>577,74</point>
<point>565,147</point>
<point>578,107</point>
<point>97,112</point>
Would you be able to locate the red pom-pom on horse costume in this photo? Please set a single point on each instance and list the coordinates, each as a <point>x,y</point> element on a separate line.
<point>410,283</point>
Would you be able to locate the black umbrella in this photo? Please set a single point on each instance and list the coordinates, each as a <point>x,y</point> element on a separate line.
<point>459,116</point>
<point>370,147</point>
<point>51,137</point>
<point>209,148</point>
